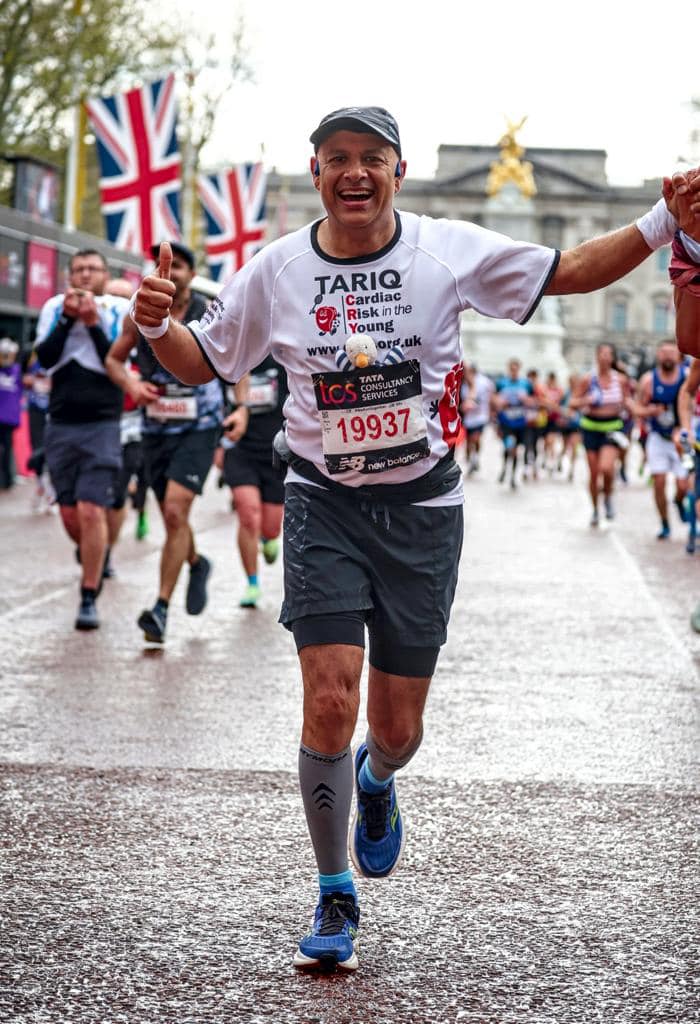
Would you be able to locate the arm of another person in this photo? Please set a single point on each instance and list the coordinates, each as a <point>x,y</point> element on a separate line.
<point>50,342</point>
<point>579,397</point>
<point>641,406</point>
<point>140,391</point>
<point>686,395</point>
<point>687,321</point>
<point>236,423</point>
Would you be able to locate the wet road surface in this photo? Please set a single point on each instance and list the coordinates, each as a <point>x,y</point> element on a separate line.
<point>153,857</point>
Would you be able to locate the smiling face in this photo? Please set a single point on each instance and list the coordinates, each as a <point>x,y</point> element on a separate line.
<point>357,183</point>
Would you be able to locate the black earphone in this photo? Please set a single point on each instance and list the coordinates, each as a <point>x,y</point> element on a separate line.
<point>397,172</point>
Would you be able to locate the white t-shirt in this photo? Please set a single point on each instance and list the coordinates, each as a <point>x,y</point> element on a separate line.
<point>389,423</point>
<point>483,389</point>
<point>79,345</point>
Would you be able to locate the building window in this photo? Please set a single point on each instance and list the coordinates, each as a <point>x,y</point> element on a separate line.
<point>553,232</point>
<point>660,324</point>
<point>619,315</point>
<point>663,258</point>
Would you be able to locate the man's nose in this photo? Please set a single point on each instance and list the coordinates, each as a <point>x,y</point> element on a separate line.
<point>354,169</point>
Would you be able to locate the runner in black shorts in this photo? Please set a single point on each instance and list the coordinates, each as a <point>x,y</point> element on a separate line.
<point>256,484</point>
<point>181,427</point>
<point>373,520</point>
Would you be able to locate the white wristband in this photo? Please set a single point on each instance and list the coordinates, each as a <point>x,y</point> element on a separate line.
<point>658,226</point>
<point>691,247</point>
<point>148,332</point>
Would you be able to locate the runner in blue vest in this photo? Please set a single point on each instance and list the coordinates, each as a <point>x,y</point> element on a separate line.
<point>512,402</point>
<point>658,404</point>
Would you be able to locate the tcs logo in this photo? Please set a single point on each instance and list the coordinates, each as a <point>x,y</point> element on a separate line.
<point>327,318</point>
<point>337,394</point>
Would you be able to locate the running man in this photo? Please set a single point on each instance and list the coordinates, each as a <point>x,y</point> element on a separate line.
<point>373,496</point>
<point>657,403</point>
<point>81,437</point>
<point>513,403</point>
<point>257,486</point>
<point>477,392</point>
<point>181,427</point>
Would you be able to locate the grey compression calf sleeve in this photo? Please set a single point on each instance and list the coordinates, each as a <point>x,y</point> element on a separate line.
<point>326,783</point>
<point>384,765</point>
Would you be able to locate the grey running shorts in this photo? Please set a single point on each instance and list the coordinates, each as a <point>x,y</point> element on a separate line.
<point>84,461</point>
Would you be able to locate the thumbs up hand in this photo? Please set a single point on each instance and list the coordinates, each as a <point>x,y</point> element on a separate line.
<point>151,305</point>
<point>165,259</point>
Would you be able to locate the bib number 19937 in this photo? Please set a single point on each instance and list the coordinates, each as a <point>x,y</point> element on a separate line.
<point>372,420</point>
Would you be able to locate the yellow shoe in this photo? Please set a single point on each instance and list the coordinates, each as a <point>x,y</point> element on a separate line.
<point>270,550</point>
<point>251,596</point>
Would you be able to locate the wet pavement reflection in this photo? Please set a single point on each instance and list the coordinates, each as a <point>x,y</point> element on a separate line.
<point>154,862</point>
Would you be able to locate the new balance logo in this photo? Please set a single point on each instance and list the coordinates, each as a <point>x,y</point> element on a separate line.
<point>324,797</point>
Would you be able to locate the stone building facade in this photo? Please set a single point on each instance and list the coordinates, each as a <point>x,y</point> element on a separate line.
<point>574,202</point>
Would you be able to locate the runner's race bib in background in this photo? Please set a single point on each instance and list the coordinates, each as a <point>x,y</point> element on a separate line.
<point>176,402</point>
<point>372,420</point>
<point>263,392</point>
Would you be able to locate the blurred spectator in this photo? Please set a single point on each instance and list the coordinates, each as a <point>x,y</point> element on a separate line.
<point>10,406</point>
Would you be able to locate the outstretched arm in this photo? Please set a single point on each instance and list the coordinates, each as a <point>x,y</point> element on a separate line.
<point>173,344</point>
<point>601,261</point>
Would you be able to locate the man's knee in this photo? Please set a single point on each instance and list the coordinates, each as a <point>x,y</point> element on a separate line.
<point>331,682</point>
<point>175,515</point>
<point>249,517</point>
<point>393,744</point>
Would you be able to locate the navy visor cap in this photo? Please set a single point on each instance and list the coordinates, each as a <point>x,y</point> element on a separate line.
<point>359,119</point>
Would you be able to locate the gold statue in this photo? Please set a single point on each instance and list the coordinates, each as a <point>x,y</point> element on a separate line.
<point>510,167</point>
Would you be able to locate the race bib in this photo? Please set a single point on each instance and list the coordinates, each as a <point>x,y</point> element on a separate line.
<point>173,408</point>
<point>372,420</point>
<point>666,419</point>
<point>513,412</point>
<point>263,393</point>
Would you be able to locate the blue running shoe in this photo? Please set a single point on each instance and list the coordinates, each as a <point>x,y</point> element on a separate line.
<point>377,837</point>
<point>153,621</point>
<point>665,531</point>
<point>331,942</point>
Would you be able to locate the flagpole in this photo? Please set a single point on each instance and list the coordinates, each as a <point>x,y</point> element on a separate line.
<point>74,172</point>
<point>189,183</point>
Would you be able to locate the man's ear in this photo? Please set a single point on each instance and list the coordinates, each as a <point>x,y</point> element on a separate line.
<point>315,170</point>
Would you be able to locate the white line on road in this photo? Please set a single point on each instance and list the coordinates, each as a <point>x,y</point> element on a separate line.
<point>657,610</point>
<point>36,603</point>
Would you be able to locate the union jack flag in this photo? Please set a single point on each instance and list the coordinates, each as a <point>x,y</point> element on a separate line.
<point>139,165</point>
<point>234,207</point>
